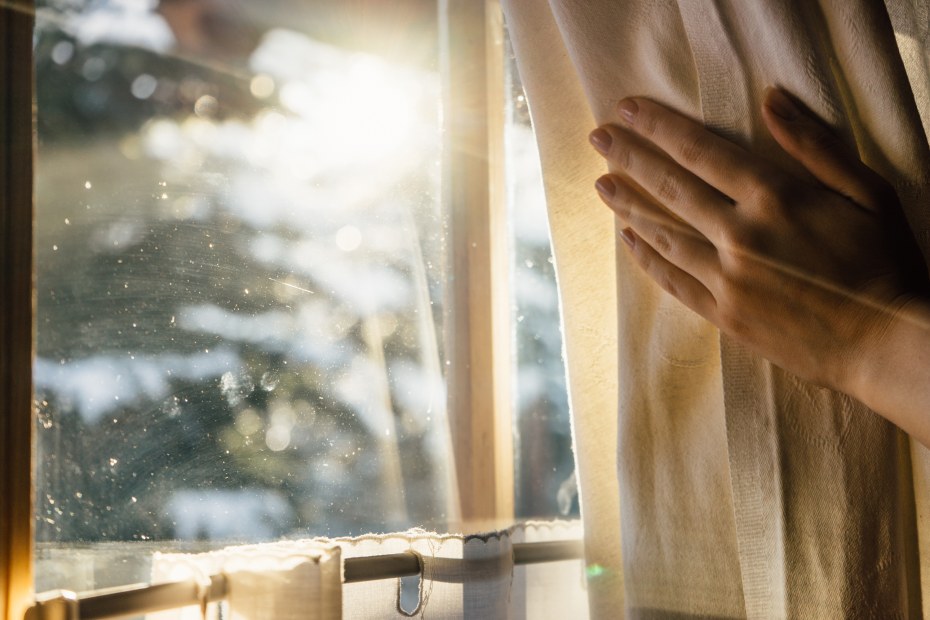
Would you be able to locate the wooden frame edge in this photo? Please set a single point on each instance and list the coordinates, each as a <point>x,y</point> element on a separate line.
<point>478,302</point>
<point>16,307</point>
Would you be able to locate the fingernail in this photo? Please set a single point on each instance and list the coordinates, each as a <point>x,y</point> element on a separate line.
<point>628,109</point>
<point>601,140</point>
<point>628,237</point>
<point>782,105</point>
<point>606,187</point>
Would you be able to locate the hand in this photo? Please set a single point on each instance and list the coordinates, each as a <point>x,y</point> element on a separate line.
<point>809,273</point>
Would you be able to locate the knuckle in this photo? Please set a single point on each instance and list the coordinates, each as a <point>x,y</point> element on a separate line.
<point>731,322</point>
<point>741,240</point>
<point>622,156</point>
<point>647,123</point>
<point>771,194</point>
<point>694,150</point>
<point>729,317</point>
<point>668,189</point>
<point>662,239</point>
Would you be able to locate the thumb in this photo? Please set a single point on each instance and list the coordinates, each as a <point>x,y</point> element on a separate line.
<point>819,149</point>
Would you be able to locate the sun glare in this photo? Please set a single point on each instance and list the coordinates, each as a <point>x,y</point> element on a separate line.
<point>364,115</point>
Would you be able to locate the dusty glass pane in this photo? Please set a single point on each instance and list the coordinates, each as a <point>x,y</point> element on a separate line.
<point>239,245</point>
<point>543,464</point>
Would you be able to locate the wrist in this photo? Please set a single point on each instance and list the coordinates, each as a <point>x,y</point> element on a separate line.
<point>891,372</point>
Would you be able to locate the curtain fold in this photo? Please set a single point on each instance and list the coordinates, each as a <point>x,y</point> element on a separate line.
<point>744,492</point>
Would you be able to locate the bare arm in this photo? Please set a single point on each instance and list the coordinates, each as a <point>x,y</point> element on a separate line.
<point>824,279</point>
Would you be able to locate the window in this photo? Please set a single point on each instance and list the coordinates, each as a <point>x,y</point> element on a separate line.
<point>241,279</point>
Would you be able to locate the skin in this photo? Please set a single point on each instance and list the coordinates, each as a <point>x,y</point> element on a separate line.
<point>820,275</point>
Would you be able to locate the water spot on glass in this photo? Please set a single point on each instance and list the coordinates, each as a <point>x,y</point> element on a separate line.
<point>269,381</point>
<point>277,438</point>
<point>143,86</point>
<point>172,407</point>
<point>62,52</point>
<point>348,238</point>
<point>262,86</point>
<point>206,106</point>
<point>236,386</point>
<point>568,491</point>
<point>93,68</point>
<point>248,422</point>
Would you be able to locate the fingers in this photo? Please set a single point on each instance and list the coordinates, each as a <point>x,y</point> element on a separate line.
<point>675,240</point>
<point>720,163</point>
<point>675,281</point>
<point>819,149</point>
<point>669,184</point>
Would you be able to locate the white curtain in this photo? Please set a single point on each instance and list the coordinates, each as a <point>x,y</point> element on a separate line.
<point>462,577</point>
<point>712,483</point>
<point>278,580</point>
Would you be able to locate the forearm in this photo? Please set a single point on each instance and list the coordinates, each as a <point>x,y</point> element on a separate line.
<point>894,379</point>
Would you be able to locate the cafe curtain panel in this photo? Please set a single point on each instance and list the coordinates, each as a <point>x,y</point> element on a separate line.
<point>462,577</point>
<point>712,483</point>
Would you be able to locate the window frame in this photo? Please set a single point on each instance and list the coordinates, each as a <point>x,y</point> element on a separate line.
<point>16,307</point>
<point>478,313</point>
<point>478,320</point>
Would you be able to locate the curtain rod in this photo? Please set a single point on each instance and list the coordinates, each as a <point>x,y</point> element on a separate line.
<point>143,598</point>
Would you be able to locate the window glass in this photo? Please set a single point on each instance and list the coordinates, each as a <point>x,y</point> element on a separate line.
<point>240,274</point>
<point>239,246</point>
<point>543,459</point>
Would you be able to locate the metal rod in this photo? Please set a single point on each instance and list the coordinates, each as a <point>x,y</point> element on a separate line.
<point>144,598</point>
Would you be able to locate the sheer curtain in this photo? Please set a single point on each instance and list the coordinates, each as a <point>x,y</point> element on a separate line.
<point>743,492</point>
<point>462,577</point>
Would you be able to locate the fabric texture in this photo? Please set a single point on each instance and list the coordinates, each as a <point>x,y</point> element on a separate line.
<point>280,581</point>
<point>472,576</point>
<point>462,577</point>
<point>743,492</point>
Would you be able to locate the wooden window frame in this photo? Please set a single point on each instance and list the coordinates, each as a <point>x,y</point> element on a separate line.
<point>478,320</point>
<point>478,304</point>
<point>16,307</point>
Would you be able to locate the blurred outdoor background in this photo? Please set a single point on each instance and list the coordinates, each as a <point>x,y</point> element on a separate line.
<point>240,245</point>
